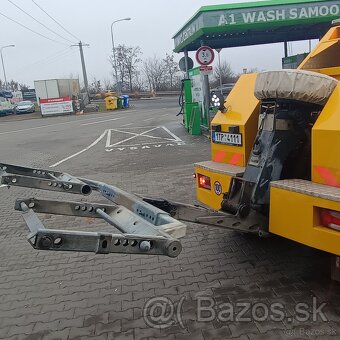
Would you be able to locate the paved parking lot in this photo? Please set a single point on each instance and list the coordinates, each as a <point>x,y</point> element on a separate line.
<point>223,285</point>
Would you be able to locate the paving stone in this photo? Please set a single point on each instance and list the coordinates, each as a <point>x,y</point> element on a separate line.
<point>64,295</point>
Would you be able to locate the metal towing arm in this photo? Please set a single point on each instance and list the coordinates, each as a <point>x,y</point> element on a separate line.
<point>143,225</point>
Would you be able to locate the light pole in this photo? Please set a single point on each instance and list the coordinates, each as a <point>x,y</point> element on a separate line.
<point>3,65</point>
<point>219,67</point>
<point>114,54</point>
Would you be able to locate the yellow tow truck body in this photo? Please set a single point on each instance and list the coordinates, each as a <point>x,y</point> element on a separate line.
<point>296,205</point>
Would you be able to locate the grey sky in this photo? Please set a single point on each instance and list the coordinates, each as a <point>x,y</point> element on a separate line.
<point>152,26</point>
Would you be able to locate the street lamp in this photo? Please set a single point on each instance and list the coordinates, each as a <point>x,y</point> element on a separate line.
<point>114,54</point>
<point>3,65</point>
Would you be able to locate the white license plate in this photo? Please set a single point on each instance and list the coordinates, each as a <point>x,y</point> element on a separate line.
<point>227,138</point>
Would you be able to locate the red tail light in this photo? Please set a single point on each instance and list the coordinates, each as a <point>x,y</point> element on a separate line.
<point>330,219</point>
<point>204,182</point>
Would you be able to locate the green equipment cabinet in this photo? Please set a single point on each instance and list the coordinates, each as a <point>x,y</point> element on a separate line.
<point>195,118</point>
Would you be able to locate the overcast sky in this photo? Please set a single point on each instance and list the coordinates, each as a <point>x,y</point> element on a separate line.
<point>152,25</point>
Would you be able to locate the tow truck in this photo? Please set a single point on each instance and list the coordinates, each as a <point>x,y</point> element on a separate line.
<point>275,168</point>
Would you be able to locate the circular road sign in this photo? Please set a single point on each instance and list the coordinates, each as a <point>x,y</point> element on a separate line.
<point>205,55</point>
<point>182,64</point>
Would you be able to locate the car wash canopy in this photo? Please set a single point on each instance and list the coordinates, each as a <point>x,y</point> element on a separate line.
<point>255,23</point>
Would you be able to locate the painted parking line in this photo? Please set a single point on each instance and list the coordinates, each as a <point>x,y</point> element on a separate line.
<point>102,121</point>
<point>145,120</point>
<point>121,145</point>
<point>81,151</point>
<point>56,124</point>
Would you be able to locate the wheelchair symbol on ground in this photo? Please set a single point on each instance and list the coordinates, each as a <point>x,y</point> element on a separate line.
<point>140,138</point>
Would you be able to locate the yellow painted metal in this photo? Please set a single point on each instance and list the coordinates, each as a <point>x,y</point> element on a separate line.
<point>209,197</point>
<point>243,111</point>
<point>329,71</point>
<point>111,103</point>
<point>326,143</point>
<point>325,56</point>
<point>296,216</point>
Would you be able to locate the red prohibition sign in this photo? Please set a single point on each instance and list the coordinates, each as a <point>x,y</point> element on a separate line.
<point>205,55</point>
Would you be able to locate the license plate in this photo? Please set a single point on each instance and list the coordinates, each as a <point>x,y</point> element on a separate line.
<point>227,138</point>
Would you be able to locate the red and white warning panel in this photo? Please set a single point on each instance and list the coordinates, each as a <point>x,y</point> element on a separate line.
<point>206,69</point>
<point>55,106</point>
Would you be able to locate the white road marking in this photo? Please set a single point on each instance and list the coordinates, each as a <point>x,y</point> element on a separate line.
<point>136,135</point>
<point>162,140</point>
<point>109,147</point>
<point>172,134</point>
<point>126,124</point>
<point>145,120</point>
<point>101,121</point>
<point>81,151</point>
<point>141,127</point>
<point>56,124</point>
<point>143,146</point>
<point>108,139</point>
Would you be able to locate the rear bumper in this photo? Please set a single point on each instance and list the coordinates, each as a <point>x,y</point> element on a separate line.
<point>24,111</point>
<point>295,207</point>
<point>220,175</point>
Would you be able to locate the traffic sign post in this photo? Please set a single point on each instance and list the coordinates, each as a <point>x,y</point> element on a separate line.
<point>205,55</point>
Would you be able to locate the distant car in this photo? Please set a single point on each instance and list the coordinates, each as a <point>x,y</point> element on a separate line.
<point>25,107</point>
<point>226,88</point>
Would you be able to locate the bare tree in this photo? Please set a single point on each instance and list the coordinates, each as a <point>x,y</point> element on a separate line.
<point>95,86</point>
<point>125,61</point>
<point>107,84</point>
<point>171,68</point>
<point>131,60</point>
<point>225,71</point>
<point>154,70</point>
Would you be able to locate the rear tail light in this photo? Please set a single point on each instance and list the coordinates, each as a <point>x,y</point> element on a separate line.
<point>330,219</point>
<point>204,182</point>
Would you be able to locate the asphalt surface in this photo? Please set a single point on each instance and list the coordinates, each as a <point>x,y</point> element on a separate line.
<point>223,285</point>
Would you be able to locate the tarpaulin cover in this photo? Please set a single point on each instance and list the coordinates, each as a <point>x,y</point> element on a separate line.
<point>306,86</point>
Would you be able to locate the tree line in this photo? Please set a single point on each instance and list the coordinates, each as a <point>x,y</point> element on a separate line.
<point>151,74</point>
<point>136,74</point>
<point>13,85</point>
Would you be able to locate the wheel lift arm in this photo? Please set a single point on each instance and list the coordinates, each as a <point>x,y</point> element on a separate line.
<point>144,225</point>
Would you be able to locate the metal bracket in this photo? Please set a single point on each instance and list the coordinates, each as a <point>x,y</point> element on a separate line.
<point>36,178</point>
<point>147,225</point>
<point>99,243</point>
<point>201,215</point>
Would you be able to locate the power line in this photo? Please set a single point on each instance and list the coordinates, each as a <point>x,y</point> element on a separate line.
<point>18,23</point>
<point>56,55</point>
<point>39,22</point>
<point>60,25</point>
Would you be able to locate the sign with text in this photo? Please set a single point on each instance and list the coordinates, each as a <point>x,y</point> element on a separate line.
<point>54,106</point>
<point>205,55</point>
<point>279,13</point>
<point>244,16</point>
<point>206,70</point>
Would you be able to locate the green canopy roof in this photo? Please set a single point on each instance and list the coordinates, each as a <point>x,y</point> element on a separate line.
<point>254,23</point>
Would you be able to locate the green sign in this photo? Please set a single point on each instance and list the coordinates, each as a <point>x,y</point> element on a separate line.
<point>241,17</point>
<point>275,13</point>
